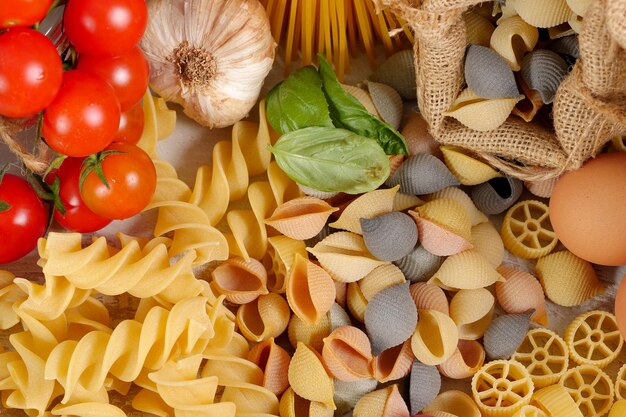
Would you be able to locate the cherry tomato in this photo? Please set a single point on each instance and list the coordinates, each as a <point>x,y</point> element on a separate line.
<point>105,28</point>
<point>128,74</point>
<point>77,217</point>
<point>23,218</point>
<point>23,12</point>
<point>84,116</point>
<point>30,72</point>
<point>131,177</point>
<point>131,125</point>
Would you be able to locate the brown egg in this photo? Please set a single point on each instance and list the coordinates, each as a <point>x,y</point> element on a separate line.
<point>419,140</point>
<point>588,210</point>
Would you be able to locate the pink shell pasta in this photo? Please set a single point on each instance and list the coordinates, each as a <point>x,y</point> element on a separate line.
<point>521,292</point>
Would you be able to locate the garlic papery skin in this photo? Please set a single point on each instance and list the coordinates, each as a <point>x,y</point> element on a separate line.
<point>210,56</point>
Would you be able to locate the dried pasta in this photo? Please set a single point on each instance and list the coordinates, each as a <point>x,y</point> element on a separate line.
<point>545,356</point>
<point>389,236</point>
<point>301,218</point>
<point>347,354</point>
<point>308,377</point>
<point>281,253</point>
<point>501,388</point>
<point>468,170</point>
<point>555,401</point>
<point>477,28</point>
<point>292,405</point>
<point>365,206</point>
<point>466,360</point>
<point>453,193</point>
<point>505,335</point>
<point>422,174</point>
<point>380,278</point>
<point>527,231</point>
<point>512,38</point>
<point>479,113</point>
<point>425,385</point>
<point>429,297</point>
<point>488,75</point>
<point>472,311</point>
<point>521,292</point>
<point>274,361</point>
<point>593,338</point>
<point>385,402</point>
<point>590,388</point>
<point>620,383</point>
<point>310,290</point>
<point>435,338</point>
<point>453,402</point>
<point>542,14</point>
<point>466,270</point>
<point>240,281</point>
<point>264,317</point>
<point>487,241</point>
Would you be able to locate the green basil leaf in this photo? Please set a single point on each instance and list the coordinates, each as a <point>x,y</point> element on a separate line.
<point>348,113</point>
<point>298,102</point>
<point>330,159</point>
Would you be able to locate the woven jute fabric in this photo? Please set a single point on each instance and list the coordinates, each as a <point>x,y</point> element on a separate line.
<point>35,158</point>
<point>589,108</point>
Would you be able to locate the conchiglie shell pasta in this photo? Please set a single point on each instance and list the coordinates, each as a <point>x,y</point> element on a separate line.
<point>274,362</point>
<point>406,201</point>
<point>543,71</point>
<point>356,301</point>
<point>365,206</point>
<point>425,385</point>
<point>394,163</point>
<point>311,335</point>
<point>477,28</point>
<point>292,405</point>
<point>301,218</point>
<point>453,193</point>
<point>338,317</point>
<point>345,256</point>
<point>479,113</point>
<point>310,290</point>
<point>429,297</point>
<point>487,242</point>
<point>505,334</point>
<point>567,279</point>
<point>469,170</point>
<point>422,174</point>
<point>448,214</point>
<point>347,394</point>
<point>487,74</point>
<point>542,188</point>
<point>466,270</point>
<point>472,311</point>
<point>437,239</point>
<point>435,337</point>
<point>398,71</point>
<point>388,103</point>
<point>466,360</point>
<point>312,192</point>
<point>528,107</point>
<point>391,305</point>
<point>363,97</point>
<point>281,252</point>
<point>389,236</point>
<point>239,280</point>
<point>393,363</point>
<point>380,278</point>
<point>265,317</point>
<point>512,39</point>
<point>347,354</point>
<point>454,402</point>
<point>419,265</point>
<point>542,13</point>
<point>308,377</point>
<point>521,292</point>
<point>497,195</point>
<point>385,402</point>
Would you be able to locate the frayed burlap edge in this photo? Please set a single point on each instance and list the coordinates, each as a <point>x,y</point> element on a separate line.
<point>38,161</point>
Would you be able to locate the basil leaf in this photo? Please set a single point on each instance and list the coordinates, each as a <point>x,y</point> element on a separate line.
<point>348,113</point>
<point>330,159</point>
<point>298,102</point>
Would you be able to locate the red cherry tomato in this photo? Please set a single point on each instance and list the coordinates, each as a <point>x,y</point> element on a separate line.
<point>84,116</point>
<point>77,217</point>
<point>131,125</point>
<point>30,72</point>
<point>23,218</point>
<point>128,74</point>
<point>131,177</point>
<point>22,12</point>
<point>105,28</point>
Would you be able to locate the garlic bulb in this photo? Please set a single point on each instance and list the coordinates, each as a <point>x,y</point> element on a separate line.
<point>210,56</point>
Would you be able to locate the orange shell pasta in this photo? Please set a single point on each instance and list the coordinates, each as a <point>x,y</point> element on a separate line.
<point>347,354</point>
<point>393,363</point>
<point>521,292</point>
<point>310,290</point>
<point>429,297</point>
<point>274,362</point>
<point>466,360</point>
<point>239,280</point>
<point>301,218</point>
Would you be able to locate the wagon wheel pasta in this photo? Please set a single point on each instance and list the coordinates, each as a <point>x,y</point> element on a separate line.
<point>620,384</point>
<point>590,388</point>
<point>526,230</point>
<point>593,338</point>
<point>545,355</point>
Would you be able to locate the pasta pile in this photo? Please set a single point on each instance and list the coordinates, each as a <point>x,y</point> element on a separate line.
<point>540,376</point>
<point>508,69</point>
<point>334,28</point>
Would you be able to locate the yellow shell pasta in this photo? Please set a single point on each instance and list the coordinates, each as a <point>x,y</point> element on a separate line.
<point>477,28</point>
<point>380,278</point>
<point>566,279</point>
<point>435,338</point>
<point>281,253</point>
<point>310,335</point>
<point>385,402</point>
<point>267,316</point>
<point>345,256</point>
<point>453,402</point>
<point>292,405</point>
<point>466,270</point>
<point>308,377</point>
<point>540,13</point>
<point>512,38</point>
<point>356,301</point>
<point>366,206</point>
<point>468,170</point>
<point>274,362</point>
<point>481,114</point>
<point>472,311</point>
<point>458,195</point>
<point>487,241</point>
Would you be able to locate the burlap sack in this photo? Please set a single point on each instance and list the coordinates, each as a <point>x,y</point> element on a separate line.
<point>589,108</point>
<point>36,157</point>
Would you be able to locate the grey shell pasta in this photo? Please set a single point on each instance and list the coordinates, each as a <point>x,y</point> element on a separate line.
<point>388,103</point>
<point>497,195</point>
<point>543,70</point>
<point>389,236</point>
<point>506,334</point>
<point>422,174</point>
<point>488,75</point>
<point>398,71</point>
<point>419,265</point>
<point>425,385</point>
